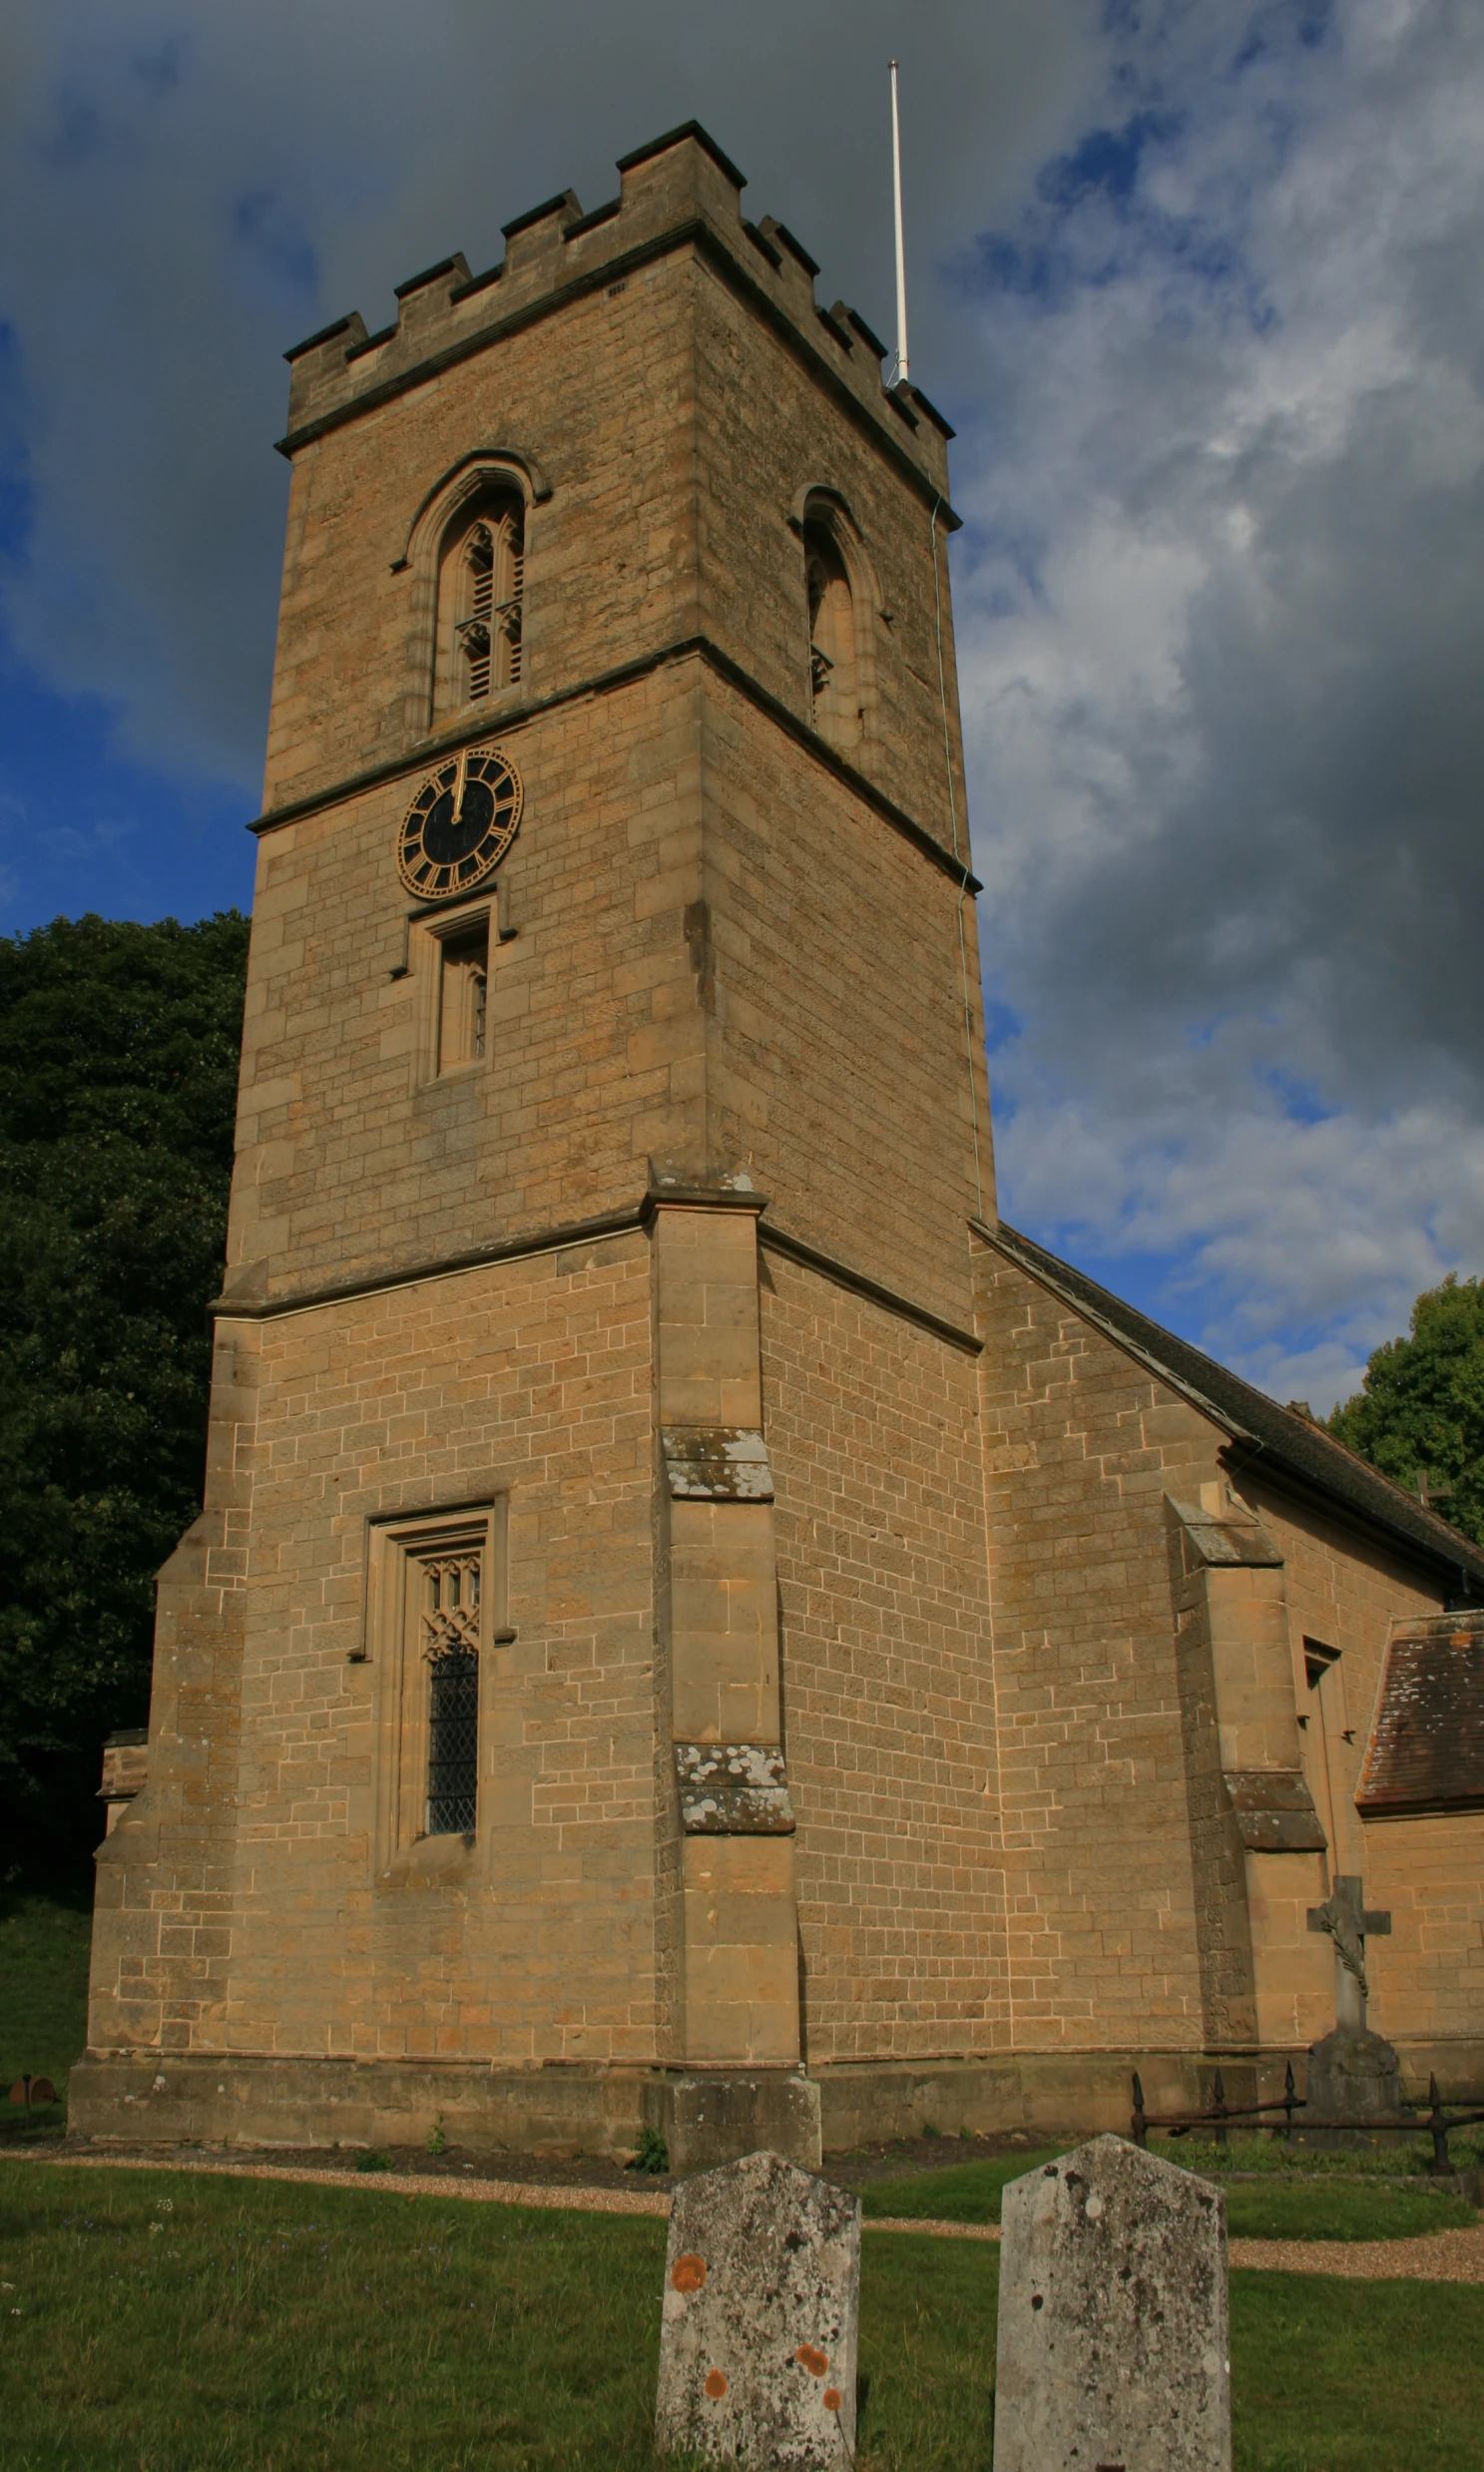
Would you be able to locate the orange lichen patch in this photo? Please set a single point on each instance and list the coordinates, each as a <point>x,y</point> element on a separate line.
<point>689,2272</point>
<point>715,2384</point>
<point>832,2398</point>
<point>815,2363</point>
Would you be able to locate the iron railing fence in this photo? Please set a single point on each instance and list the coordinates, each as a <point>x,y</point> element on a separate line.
<point>1438,2121</point>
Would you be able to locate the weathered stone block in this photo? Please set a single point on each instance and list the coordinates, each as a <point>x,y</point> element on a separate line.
<point>1113,2328</point>
<point>761,2302</point>
<point>1353,2076</point>
<point>716,2117</point>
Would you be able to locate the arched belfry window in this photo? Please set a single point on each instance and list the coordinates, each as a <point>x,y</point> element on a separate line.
<point>835,697</point>
<point>480,582</point>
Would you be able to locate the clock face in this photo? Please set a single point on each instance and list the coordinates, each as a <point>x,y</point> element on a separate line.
<point>460,825</point>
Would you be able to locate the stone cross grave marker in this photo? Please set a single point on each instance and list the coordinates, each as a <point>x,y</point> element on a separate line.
<point>1353,2075</point>
<point>761,2300</point>
<point>1345,1916</point>
<point>1113,2337</point>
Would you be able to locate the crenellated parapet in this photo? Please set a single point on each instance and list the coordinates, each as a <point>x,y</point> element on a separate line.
<point>680,191</point>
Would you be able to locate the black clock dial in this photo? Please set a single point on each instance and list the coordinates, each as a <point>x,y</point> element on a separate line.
<point>460,825</point>
<point>454,831</point>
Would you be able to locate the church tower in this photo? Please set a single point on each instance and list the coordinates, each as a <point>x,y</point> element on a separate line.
<point>549,1707</point>
<point>694,1623</point>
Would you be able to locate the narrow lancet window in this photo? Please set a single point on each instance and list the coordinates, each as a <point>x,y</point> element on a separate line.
<point>451,1614</point>
<point>833,695</point>
<point>463,996</point>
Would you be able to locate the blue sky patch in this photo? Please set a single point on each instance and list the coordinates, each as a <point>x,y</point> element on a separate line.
<point>82,828</point>
<point>1105,164</point>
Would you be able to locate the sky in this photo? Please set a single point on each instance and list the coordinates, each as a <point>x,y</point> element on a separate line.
<point>1200,285</point>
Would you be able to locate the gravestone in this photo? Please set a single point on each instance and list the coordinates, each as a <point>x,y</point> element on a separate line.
<point>758,2336</point>
<point>1355,2076</point>
<point>1112,2336</point>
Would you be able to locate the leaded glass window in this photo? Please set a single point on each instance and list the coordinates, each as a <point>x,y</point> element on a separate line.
<point>450,1625</point>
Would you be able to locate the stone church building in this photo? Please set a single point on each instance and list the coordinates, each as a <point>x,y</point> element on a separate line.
<point>693,1621</point>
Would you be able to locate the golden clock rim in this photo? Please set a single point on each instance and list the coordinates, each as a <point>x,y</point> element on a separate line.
<point>471,883</point>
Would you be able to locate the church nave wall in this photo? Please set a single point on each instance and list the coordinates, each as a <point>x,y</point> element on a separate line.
<point>888,1694</point>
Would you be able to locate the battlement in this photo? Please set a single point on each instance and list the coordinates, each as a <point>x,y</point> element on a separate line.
<point>678,189</point>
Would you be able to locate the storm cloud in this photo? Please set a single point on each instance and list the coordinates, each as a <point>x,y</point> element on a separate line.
<point>1200,286</point>
<point>188,190</point>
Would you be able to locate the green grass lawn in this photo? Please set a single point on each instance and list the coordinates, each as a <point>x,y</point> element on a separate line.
<point>1355,2377</point>
<point>1340,2211</point>
<point>158,2322</point>
<point>165,2324</point>
<point>168,2322</point>
<point>43,1991</point>
<point>1272,2156</point>
<point>1355,2207</point>
<point>962,2193</point>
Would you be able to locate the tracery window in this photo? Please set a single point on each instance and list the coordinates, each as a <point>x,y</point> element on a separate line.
<point>437,1587</point>
<point>835,697</point>
<point>480,592</point>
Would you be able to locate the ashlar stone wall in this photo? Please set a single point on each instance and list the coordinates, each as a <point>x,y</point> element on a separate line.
<point>1136,1690</point>
<point>527,1383</point>
<point>1081,1445</point>
<point>1345,1591</point>
<point>888,1675</point>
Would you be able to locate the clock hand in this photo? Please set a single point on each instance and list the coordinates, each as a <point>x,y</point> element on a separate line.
<point>458,787</point>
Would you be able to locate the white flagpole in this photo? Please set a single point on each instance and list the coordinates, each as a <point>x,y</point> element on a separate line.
<point>903,366</point>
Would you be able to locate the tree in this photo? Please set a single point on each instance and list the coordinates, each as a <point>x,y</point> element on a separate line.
<point>119,1048</point>
<point>1420,1408</point>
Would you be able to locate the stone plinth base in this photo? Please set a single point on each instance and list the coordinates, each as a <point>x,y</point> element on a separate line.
<point>244,2099</point>
<point>1354,2077</point>
<point>706,2116</point>
<point>1054,2093</point>
<point>715,2119</point>
<point>249,2099</point>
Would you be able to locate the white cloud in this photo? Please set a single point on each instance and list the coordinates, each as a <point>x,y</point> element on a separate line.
<point>1219,642</point>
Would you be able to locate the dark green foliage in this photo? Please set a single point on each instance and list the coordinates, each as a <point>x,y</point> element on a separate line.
<point>118,1049</point>
<point>1422,1403</point>
<point>43,1996</point>
<point>650,2155</point>
<point>1270,2155</point>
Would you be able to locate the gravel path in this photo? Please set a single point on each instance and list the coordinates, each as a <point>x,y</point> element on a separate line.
<point>1433,2257</point>
<point>406,2184</point>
